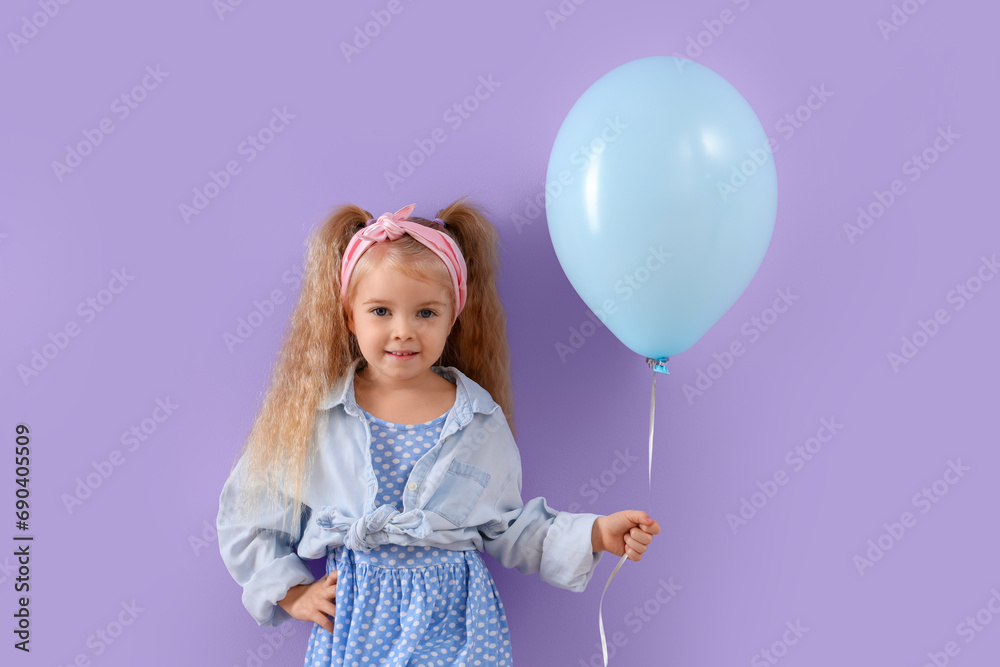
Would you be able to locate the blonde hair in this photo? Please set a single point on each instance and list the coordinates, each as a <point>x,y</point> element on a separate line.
<point>318,347</point>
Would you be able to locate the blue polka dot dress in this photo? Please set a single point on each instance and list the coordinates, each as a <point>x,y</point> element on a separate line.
<point>410,605</point>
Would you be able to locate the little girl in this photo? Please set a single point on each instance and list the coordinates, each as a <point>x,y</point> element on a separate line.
<point>386,444</point>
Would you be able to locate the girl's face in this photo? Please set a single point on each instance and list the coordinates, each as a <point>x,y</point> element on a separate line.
<point>393,313</point>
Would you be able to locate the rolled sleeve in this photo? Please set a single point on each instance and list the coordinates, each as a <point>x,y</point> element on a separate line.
<point>272,583</point>
<point>260,556</point>
<point>568,556</point>
<point>536,538</point>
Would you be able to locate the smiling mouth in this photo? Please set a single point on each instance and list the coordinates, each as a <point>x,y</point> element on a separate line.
<point>401,354</point>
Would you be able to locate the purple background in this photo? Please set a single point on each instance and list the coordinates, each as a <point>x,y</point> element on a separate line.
<point>136,537</point>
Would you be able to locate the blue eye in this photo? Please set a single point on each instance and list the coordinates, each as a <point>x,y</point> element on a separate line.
<point>423,310</point>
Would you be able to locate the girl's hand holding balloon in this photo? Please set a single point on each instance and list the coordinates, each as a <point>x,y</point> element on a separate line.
<point>312,602</point>
<point>628,532</point>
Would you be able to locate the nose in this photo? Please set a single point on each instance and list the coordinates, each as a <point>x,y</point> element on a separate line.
<point>402,329</point>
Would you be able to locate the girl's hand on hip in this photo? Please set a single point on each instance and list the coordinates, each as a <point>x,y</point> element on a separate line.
<point>628,532</point>
<point>312,602</point>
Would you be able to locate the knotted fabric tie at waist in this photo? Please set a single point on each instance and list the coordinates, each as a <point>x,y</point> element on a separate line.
<point>362,533</point>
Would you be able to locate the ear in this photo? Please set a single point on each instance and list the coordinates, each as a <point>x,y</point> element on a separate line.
<point>350,321</point>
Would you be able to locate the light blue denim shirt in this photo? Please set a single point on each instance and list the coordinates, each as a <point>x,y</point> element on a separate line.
<point>464,493</point>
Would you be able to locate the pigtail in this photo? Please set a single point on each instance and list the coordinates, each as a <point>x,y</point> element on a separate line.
<point>478,344</point>
<point>317,348</point>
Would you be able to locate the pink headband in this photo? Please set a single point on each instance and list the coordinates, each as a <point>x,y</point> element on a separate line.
<point>389,227</point>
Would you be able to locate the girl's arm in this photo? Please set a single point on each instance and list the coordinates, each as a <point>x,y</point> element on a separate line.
<point>260,556</point>
<point>536,538</point>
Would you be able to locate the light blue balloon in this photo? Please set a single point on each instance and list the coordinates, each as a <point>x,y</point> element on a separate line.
<point>661,200</point>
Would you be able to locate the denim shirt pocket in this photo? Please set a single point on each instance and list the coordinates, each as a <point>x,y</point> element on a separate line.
<point>460,489</point>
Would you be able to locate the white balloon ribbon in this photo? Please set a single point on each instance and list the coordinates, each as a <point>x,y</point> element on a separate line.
<point>600,616</point>
<point>659,366</point>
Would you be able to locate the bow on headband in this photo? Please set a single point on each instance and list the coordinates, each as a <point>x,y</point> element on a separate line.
<point>389,227</point>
